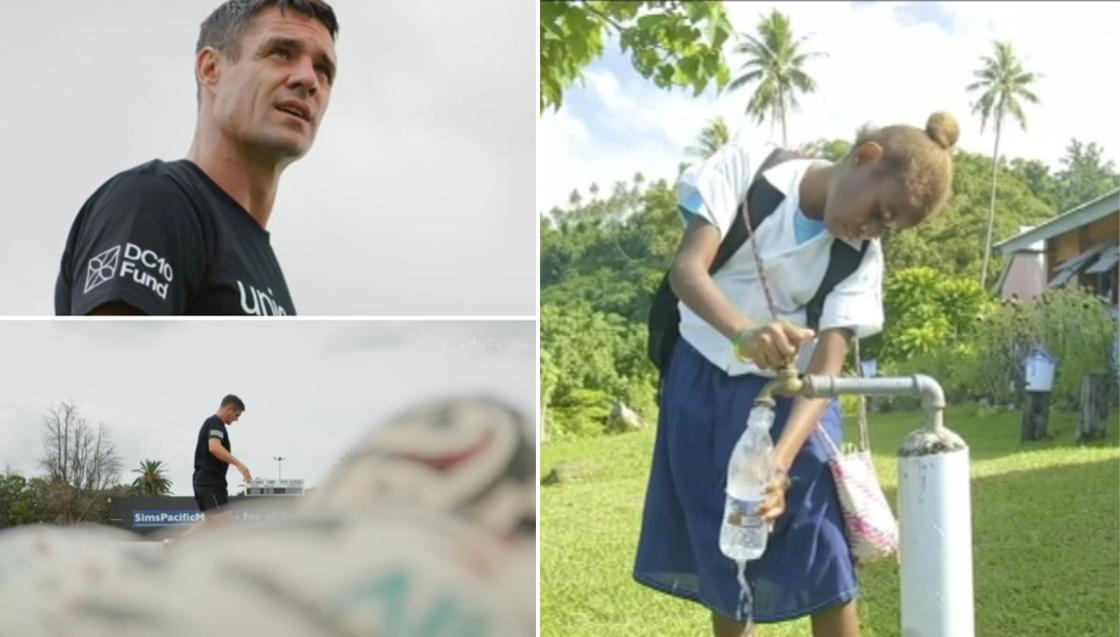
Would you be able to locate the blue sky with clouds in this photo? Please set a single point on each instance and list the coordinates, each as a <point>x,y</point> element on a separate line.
<point>886,63</point>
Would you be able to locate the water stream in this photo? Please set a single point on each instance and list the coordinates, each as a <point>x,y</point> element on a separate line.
<point>760,415</point>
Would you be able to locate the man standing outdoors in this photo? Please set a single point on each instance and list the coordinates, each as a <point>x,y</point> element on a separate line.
<point>190,236</point>
<point>212,459</point>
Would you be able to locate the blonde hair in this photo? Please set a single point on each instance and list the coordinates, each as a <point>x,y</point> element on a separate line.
<point>923,159</point>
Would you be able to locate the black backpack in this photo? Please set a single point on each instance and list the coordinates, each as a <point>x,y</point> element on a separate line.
<point>762,199</point>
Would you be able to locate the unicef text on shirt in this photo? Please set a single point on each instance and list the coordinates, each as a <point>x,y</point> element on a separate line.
<point>263,304</point>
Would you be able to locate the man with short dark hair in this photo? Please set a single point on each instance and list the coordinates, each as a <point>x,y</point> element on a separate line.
<point>212,458</point>
<point>190,236</point>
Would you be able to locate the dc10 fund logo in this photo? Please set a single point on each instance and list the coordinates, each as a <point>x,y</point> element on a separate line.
<point>145,267</point>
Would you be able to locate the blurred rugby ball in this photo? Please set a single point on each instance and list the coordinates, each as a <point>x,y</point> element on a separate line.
<point>471,456</point>
<point>401,572</point>
<point>47,571</point>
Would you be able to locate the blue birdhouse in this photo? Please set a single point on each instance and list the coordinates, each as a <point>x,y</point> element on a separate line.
<point>870,367</point>
<point>1039,366</point>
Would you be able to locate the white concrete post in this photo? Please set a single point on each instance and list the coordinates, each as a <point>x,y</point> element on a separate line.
<point>934,506</point>
<point>935,536</point>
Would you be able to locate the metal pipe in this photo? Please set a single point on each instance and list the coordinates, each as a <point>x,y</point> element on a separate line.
<point>933,398</point>
<point>934,502</point>
<point>789,383</point>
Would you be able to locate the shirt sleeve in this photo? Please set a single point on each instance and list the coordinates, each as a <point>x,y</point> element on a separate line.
<point>216,432</point>
<point>713,189</point>
<point>856,303</point>
<point>140,243</point>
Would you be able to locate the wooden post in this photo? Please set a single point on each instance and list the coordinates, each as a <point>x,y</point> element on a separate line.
<point>1036,415</point>
<point>1093,421</point>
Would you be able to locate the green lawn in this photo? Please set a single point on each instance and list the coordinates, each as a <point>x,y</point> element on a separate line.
<point>1045,535</point>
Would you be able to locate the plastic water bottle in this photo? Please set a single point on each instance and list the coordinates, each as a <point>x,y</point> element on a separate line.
<point>742,536</point>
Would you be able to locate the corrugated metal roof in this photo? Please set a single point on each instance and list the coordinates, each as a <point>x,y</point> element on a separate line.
<point>1106,260</point>
<point>1084,214</point>
<point>1072,267</point>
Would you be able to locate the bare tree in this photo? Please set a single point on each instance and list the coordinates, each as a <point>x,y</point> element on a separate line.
<point>80,461</point>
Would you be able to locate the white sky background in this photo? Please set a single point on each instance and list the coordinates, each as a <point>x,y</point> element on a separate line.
<point>311,388</point>
<point>887,63</point>
<point>414,199</point>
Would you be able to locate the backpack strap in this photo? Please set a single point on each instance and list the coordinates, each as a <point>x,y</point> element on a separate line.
<point>843,260</point>
<point>664,317</point>
<point>761,201</point>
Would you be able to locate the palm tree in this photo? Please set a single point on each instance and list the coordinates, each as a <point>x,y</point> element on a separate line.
<point>711,138</point>
<point>776,62</point>
<point>152,480</point>
<point>1003,81</point>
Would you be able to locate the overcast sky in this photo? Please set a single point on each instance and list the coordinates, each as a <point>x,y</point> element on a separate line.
<point>887,63</point>
<point>311,388</point>
<point>415,199</point>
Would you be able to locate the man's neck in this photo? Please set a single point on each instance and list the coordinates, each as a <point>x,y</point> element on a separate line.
<point>250,181</point>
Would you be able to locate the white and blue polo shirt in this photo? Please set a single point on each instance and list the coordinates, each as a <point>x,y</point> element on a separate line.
<point>794,250</point>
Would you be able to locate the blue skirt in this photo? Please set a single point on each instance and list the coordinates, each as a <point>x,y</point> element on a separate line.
<point>807,566</point>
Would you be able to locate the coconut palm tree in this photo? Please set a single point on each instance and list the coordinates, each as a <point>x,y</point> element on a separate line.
<point>152,480</point>
<point>711,138</point>
<point>1003,81</point>
<point>775,62</point>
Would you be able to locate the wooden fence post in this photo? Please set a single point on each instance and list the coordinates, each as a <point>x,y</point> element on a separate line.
<point>1036,415</point>
<point>1093,420</point>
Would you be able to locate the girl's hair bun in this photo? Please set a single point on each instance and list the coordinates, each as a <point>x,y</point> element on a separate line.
<point>943,129</point>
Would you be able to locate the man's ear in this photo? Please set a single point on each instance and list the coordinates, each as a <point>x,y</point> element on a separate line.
<point>207,69</point>
<point>868,151</point>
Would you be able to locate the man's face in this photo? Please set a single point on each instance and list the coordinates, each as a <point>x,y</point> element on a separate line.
<point>273,97</point>
<point>229,414</point>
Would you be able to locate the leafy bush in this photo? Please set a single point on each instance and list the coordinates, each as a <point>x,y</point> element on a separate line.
<point>589,359</point>
<point>1071,323</point>
<point>984,360</point>
<point>926,312</point>
<point>954,366</point>
<point>580,412</point>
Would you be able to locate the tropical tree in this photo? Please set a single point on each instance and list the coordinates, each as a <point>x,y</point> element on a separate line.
<point>711,138</point>
<point>1085,175</point>
<point>1003,81</point>
<point>673,44</point>
<point>152,480</point>
<point>833,150</point>
<point>20,501</point>
<point>775,61</point>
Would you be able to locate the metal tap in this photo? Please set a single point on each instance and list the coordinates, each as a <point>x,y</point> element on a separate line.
<point>787,382</point>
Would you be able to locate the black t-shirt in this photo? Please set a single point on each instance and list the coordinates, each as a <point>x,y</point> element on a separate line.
<point>208,469</point>
<point>165,239</point>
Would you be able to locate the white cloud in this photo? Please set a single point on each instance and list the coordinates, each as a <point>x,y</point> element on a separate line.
<point>877,71</point>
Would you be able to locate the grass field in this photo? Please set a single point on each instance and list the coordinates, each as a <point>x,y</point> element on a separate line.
<point>1046,545</point>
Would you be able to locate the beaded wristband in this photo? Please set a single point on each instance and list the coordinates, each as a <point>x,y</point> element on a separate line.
<point>737,345</point>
